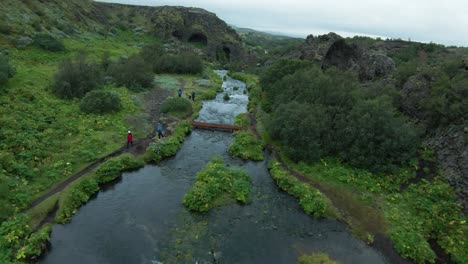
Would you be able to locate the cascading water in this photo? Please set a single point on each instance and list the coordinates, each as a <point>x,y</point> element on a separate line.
<point>141,219</point>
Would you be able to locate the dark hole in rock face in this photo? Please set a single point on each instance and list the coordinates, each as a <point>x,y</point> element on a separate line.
<point>198,38</point>
<point>177,35</point>
<point>227,52</point>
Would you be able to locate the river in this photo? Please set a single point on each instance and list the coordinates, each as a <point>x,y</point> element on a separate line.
<point>141,218</point>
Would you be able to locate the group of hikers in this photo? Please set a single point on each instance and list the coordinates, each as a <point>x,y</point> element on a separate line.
<point>159,127</point>
<point>191,96</point>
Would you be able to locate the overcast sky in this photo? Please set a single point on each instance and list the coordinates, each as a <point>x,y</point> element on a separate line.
<point>439,21</point>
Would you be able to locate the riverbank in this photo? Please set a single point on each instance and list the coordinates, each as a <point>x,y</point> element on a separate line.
<point>422,223</point>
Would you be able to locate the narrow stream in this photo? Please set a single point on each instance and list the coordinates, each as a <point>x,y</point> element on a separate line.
<point>141,219</point>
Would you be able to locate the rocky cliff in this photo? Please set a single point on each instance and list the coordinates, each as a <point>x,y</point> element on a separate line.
<point>20,20</point>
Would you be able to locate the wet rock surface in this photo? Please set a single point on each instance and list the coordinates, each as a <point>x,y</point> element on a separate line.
<point>452,156</point>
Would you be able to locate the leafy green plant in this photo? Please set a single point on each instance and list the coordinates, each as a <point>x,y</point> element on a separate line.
<point>311,200</point>
<point>246,146</point>
<point>216,182</point>
<point>226,97</point>
<point>100,101</point>
<point>242,120</point>
<point>18,242</point>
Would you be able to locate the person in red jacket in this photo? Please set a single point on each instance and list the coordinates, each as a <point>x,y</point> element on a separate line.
<point>129,139</point>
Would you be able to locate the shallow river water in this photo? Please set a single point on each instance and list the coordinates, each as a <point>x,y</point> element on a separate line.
<point>141,218</point>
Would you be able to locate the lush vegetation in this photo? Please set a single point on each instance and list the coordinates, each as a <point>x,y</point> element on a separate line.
<point>315,114</point>
<point>46,139</point>
<point>100,101</point>
<point>312,201</point>
<point>6,70</point>
<point>246,146</point>
<point>217,185</point>
<point>80,191</point>
<point>427,210</point>
<point>242,120</point>
<point>168,147</point>
<point>18,242</point>
<point>315,258</point>
<point>176,106</point>
<point>424,211</point>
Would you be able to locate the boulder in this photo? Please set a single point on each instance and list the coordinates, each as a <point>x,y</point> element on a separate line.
<point>414,91</point>
<point>465,63</point>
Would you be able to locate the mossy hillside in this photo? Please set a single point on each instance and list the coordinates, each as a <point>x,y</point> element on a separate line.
<point>217,185</point>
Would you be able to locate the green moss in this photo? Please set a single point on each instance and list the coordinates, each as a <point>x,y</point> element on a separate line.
<point>217,185</point>
<point>246,146</point>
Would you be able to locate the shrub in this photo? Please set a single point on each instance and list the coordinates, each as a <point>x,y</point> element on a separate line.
<point>242,120</point>
<point>246,146</point>
<point>215,182</point>
<point>312,201</point>
<point>133,73</point>
<point>176,106</point>
<point>100,101</point>
<point>6,70</point>
<point>75,79</point>
<point>77,195</point>
<point>48,42</point>
<point>226,97</point>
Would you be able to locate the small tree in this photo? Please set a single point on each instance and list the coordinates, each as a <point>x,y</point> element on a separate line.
<point>75,79</point>
<point>133,73</point>
<point>99,101</point>
<point>48,42</point>
<point>6,71</point>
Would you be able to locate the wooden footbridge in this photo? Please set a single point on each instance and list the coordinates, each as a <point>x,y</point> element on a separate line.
<point>211,126</point>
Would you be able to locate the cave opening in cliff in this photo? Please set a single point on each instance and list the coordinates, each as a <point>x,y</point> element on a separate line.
<point>198,38</point>
<point>177,35</point>
<point>227,53</point>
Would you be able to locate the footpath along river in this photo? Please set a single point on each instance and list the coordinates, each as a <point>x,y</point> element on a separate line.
<point>141,219</point>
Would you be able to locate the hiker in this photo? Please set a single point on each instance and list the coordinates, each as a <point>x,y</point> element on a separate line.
<point>160,129</point>
<point>193,96</point>
<point>179,92</point>
<point>129,139</point>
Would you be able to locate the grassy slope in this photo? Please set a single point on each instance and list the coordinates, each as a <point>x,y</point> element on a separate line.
<point>48,138</point>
